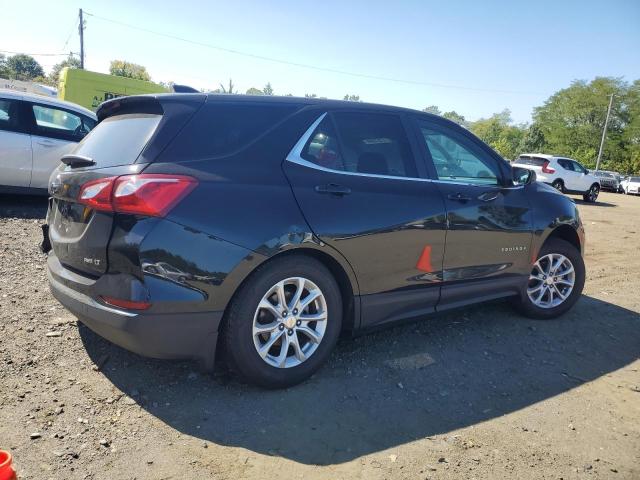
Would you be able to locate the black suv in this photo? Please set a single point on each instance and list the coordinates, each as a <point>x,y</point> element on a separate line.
<point>263,227</point>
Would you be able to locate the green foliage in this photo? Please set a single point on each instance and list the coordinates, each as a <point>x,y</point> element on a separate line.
<point>4,70</point>
<point>122,68</point>
<point>433,109</point>
<point>352,98</point>
<point>70,61</point>
<point>254,91</point>
<point>572,120</point>
<point>268,89</point>
<point>452,115</point>
<point>533,140</point>
<point>498,133</point>
<point>21,67</point>
<point>455,117</point>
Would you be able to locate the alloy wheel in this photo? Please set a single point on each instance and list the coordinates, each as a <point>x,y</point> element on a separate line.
<point>551,280</point>
<point>289,322</point>
<point>593,193</point>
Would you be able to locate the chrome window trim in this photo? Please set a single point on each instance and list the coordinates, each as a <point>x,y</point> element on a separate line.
<point>295,156</point>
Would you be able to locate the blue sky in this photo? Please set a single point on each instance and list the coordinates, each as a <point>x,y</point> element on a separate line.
<point>502,54</point>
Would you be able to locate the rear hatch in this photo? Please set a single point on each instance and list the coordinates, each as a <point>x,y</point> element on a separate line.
<point>131,133</point>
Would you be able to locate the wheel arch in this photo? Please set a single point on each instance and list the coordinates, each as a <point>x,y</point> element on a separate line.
<point>566,233</point>
<point>340,270</point>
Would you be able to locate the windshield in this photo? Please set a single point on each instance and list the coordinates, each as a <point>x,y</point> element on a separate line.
<point>634,179</point>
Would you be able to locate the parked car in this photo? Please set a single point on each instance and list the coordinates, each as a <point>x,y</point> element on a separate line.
<point>631,185</point>
<point>564,174</point>
<point>608,180</point>
<point>315,217</point>
<point>35,132</point>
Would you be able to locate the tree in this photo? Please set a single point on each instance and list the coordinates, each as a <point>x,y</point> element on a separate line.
<point>23,67</point>
<point>352,98</point>
<point>268,89</point>
<point>455,117</point>
<point>122,68</point>
<point>4,70</point>
<point>229,90</point>
<point>498,132</point>
<point>631,135</point>
<point>254,91</point>
<point>433,109</point>
<point>168,85</point>
<point>310,95</point>
<point>70,62</point>
<point>572,120</point>
<point>533,140</point>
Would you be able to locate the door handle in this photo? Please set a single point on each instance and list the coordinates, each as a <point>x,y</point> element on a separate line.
<point>333,189</point>
<point>46,143</point>
<point>488,196</point>
<point>458,197</point>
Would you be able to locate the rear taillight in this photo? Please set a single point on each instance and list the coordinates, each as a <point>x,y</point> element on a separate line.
<point>128,304</point>
<point>145,194</point>
<point>97,194</point>
<point>546,168</point>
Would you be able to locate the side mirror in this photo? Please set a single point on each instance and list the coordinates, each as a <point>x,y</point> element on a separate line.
<point>522,176</point>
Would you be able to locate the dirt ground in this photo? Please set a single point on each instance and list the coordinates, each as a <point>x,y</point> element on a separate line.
<point>476,393</point>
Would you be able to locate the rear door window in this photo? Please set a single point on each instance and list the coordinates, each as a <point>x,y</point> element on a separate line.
<point>578,168</point>
<point>118,140</point>
<point>566,164</point>
<point>10,115</point>
<point>366,143</point>
<point>58,123</point>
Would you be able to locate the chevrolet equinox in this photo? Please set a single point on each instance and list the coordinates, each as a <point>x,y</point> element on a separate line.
<point>263,227</point>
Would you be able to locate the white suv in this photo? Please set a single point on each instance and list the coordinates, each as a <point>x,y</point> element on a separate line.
<point>35,131</point>
<point>564,174</point>
<point>631,185</point>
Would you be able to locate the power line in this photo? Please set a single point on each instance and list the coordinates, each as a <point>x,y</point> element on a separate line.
<point>37,54</point>
<point>304,65</point>
<point>70,33</point>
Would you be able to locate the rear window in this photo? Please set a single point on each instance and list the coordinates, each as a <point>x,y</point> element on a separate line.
<point>220,129</point>
<point>529,160</point>
<point>118,140</point>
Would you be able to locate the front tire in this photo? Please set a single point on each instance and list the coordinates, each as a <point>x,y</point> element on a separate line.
<point>555,282</point>
<point>283,323</point>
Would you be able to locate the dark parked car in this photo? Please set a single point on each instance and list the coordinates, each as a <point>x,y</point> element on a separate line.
<point>314,217</point>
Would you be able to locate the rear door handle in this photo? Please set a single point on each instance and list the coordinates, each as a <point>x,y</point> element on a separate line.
<point>458,197</point>
<point>333,189</point>
<point>488,196</point>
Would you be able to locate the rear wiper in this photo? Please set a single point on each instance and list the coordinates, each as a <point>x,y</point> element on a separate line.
<point>77,160</point>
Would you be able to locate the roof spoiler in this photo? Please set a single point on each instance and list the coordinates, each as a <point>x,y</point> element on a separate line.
<point>183,89</point>
<point>133,104</point>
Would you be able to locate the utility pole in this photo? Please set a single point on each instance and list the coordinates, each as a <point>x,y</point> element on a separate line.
<point>604,132</point>
<point>81,32</point>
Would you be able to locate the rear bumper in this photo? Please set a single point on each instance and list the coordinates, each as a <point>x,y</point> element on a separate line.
<point>157,335</point>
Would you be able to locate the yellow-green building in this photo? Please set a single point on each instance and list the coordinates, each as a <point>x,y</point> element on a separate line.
<point>90,89</point>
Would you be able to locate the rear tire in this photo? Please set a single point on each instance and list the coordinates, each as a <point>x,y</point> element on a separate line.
<point>256,333</point>
<point>545,308</point>
<point>558,185</point>
<point>591,195</point>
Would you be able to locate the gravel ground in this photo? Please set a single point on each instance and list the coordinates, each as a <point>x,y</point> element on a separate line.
<point>476,393</point>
